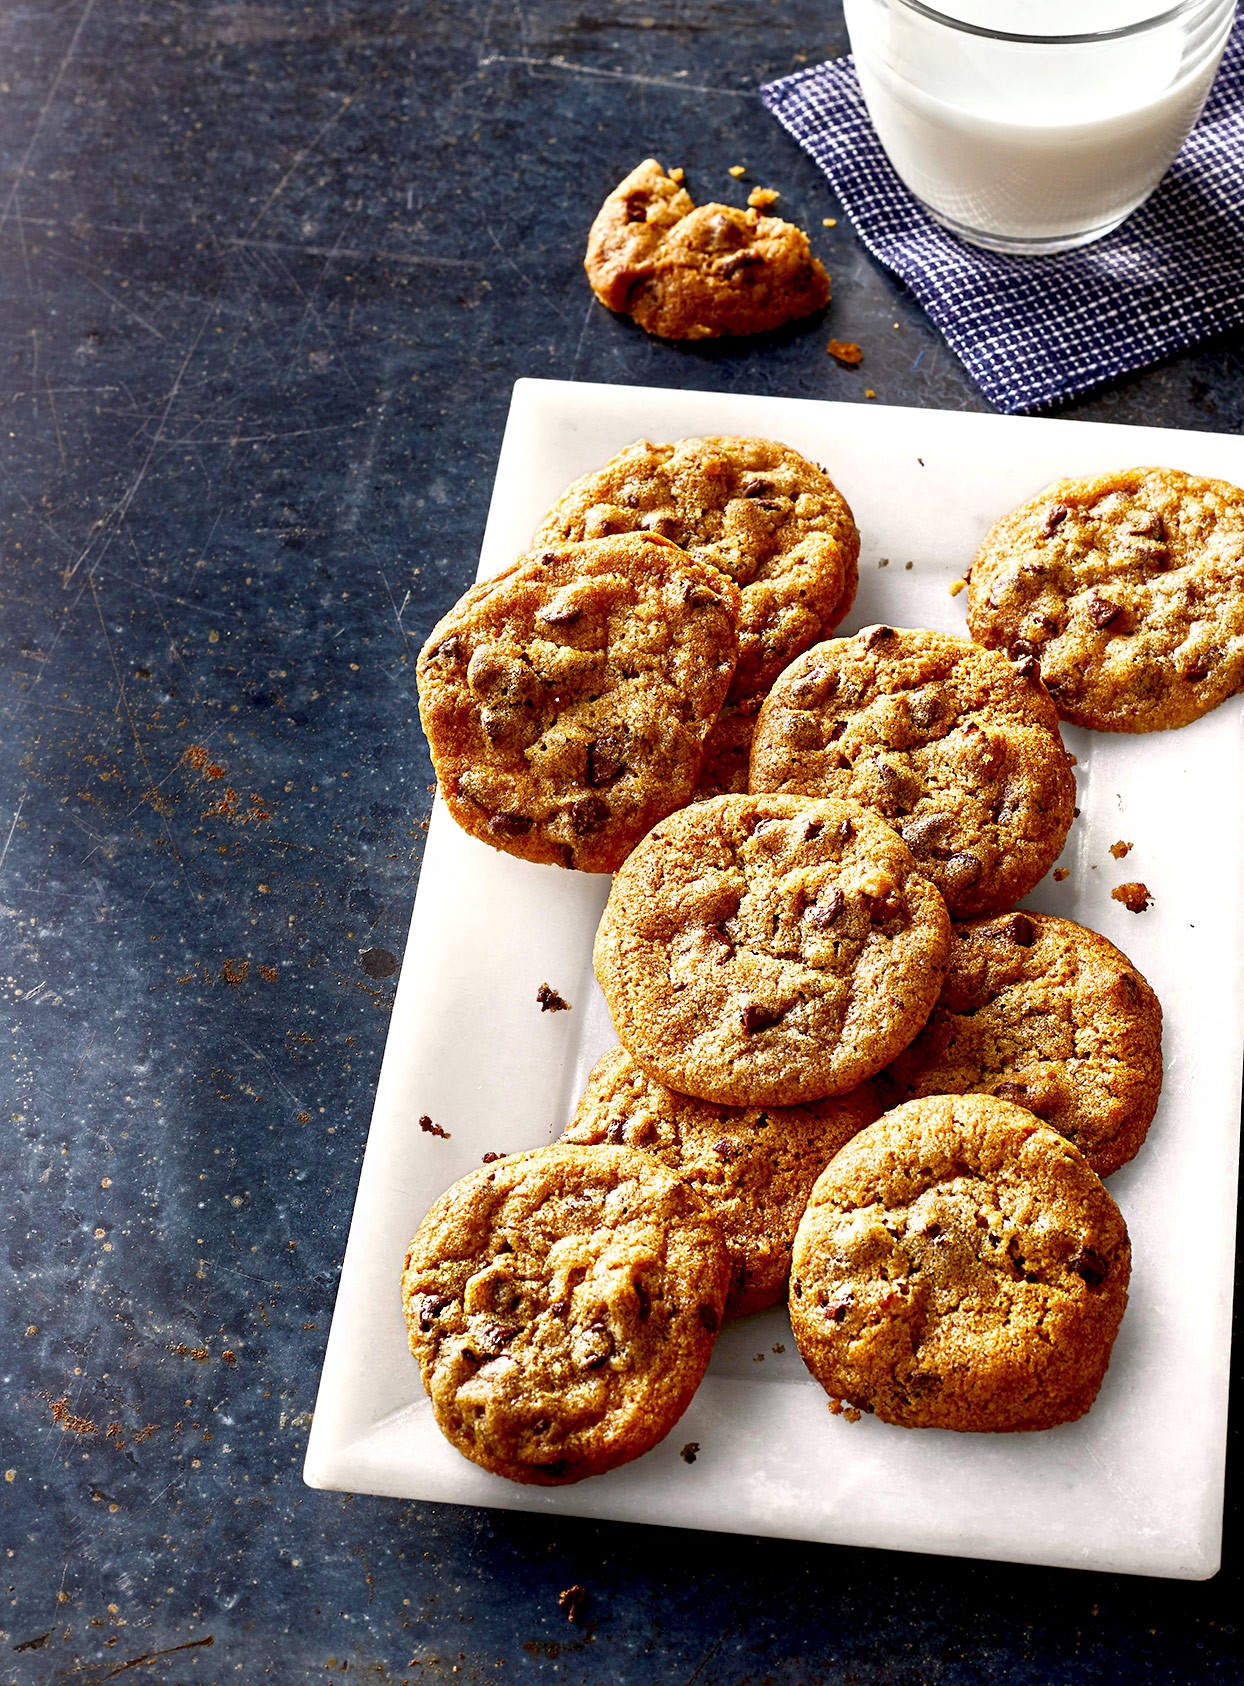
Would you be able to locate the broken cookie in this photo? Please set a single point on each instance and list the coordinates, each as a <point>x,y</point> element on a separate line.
<point>688,272</point>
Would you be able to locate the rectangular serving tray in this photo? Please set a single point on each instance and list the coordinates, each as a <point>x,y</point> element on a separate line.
<point>1137,1485</point>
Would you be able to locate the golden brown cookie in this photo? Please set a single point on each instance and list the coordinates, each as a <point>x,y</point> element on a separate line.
<point>567,701</point>
<point>956,747</point>
<point>754,1167</point>
<point>770,950</point>
<point>688,273</point>
<point>1048,1014</point>
<point>756,509</point>
<point>562,1305</point>
<point>1128,589</point>
<point>960,1266</point>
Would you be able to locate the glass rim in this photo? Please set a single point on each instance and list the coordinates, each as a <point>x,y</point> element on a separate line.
<point>1167,15</point>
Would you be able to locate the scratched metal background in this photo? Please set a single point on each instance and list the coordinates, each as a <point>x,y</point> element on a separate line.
<point>267,272</point>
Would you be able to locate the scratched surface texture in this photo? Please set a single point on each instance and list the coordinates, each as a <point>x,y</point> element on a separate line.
<point>267,272</point>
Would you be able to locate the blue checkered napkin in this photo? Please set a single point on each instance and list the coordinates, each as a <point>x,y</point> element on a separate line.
<point>1032,330</point>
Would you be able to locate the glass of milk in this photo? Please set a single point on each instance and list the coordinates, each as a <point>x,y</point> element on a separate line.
<point>1035,125</point>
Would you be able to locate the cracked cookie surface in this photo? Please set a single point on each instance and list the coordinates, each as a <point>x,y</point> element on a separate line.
<point>1050,1015</point>
<point>956,747</point>
<point>753,1166</point>
<point>1129,591</point>
<point>960,1266</point>
<point>562,1305</point>
<point>567,701</point>
<point>770,950</point>
<point>756,509</point>
<point>688,272</point>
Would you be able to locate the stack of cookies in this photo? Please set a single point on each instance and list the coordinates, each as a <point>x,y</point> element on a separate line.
<point>840,1043</point>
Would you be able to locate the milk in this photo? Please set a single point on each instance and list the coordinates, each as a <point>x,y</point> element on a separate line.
<point>1033,145</point>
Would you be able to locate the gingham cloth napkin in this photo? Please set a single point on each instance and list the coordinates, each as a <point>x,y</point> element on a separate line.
<point>1033,330</point>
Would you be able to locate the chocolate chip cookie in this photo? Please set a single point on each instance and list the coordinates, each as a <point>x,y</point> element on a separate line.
<point>770,950</point>
<point>567,701</point>
<point>691,273</point>
<point>756,509</point>
<point>1048,1014</point>
<point>956,747</point>
<point>1129,590</point>
<point>562,1305</point>
<point>753,1166</point>
<point>960,1266</point>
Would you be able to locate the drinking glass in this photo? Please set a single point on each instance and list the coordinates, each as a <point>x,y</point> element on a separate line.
<point>1035,125</point>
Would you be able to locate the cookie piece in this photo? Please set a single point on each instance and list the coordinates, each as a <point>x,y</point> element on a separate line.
<point>960,1266</point>
<point>957,747</point>
<point>770,950</point>
<point>754,1167</point>
<point>567,701</point>
<point>1129,590</point>
<point>692,273</point>
<point>1047,1014</point>
<point>754,508</point>
<point>562,1305</point>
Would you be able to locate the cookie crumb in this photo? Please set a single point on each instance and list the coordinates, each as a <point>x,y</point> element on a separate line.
<point>956,586</point>
<point>778,1346</point>
<point>430,1129</point>
<point>1060,873</point>
<point>737,170</point>
<point>678,175</point>
<point>908,566</point>
<point>490,1158</point>
<point>1135,897</point>
<point>689,1451</point>
<point>829,222</point>
<point>550,1001</point>
<point>574,1602</point>
<point>1119,849</point>
<point>869,393</point>
<point>760,198</point>
<point>845,352</point>
<point>883,561</point>
<point>758,1358</point>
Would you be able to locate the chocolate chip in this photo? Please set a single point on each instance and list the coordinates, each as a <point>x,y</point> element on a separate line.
<point>430,1308</point>
<point>1028,667</point>
<point>754,1017</point>
<point>813,829</point>
<point>1016,1092</point>
<point>587,814</point>
<point>689,1451</point>
<point>922,1383</point>
<point>645,1302</point>
<point>823,913</point>
<point>636,208</point>
<point>1055,515</point>
<point>797,1285</point>
<point>837,1309</point>
<point>604,761</point>
<point>756,486</point>
<point>450,649</point>
<point>878,635</point>
<point>962,870</point>
<point>559,614</point>
<point>1089,1266</point>
<point>725,1150</point>
<point>721,935</point>
<point>593,1347</point>
<point>709,1318</point>
<point>1101,611</point>
<point>737,262</point>
<point>510,825</point>
<point>1147,524</point>
<point>550,1001</point>
<point>1021,929</point>
<point>491,1339</point>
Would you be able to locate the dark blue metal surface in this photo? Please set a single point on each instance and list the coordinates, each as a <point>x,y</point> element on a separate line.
<point>268,272</point>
